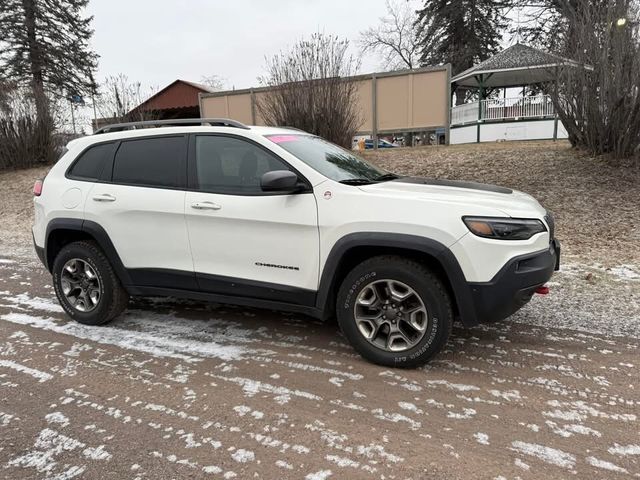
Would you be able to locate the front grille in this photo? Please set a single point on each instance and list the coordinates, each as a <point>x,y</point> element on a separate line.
<point>552,225</point>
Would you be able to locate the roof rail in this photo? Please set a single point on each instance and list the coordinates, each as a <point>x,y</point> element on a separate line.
<point>218,122</point>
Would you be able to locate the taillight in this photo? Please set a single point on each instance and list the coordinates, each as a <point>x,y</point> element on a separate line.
<point>37,188</point>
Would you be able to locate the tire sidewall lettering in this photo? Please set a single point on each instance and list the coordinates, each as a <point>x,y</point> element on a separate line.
<point>355,288</point>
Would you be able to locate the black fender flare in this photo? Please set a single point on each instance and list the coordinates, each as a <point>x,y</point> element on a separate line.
<point>447,260</point>
<point>95,231</point>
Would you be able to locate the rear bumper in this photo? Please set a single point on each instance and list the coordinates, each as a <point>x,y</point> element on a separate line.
<point>39,251</point>
<point>514,285</point>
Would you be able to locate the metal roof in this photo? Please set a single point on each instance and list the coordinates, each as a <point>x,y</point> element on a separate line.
<point>178,94</point>
<point>514,66</point>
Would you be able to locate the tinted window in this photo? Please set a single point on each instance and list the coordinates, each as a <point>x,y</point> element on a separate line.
<point>150,161</point>
<point>90,164</point>
<point>231,165</point>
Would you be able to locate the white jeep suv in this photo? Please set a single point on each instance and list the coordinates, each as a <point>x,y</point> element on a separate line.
<point>276,218</point>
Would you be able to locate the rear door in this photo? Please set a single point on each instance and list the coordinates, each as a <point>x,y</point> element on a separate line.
<point>245,241</point>
<point>141,207</point>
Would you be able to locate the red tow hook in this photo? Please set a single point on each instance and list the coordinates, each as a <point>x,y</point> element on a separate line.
<point>542,290</point>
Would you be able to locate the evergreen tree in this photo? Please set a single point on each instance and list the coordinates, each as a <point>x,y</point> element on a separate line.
<point>45,44</point>
<point>460,32</point>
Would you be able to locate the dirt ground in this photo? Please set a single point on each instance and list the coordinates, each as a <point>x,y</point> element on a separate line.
<point>188,390</point>
<point>176,389</point>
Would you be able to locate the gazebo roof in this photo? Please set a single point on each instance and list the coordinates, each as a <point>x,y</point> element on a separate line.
<point>514,66</point>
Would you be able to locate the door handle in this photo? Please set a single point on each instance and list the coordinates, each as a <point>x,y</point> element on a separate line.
<point>104,197</point>
<point>206,206</point>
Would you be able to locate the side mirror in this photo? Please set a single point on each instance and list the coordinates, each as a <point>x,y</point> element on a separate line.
<point>279,181</point>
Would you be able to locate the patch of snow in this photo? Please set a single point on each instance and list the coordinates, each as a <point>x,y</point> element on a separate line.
<point>410,407</point>
<point>624,450</point>
<point>243,456</point>
<point>481,438</point>
<point>625,272</point>
<point>142,341</point>
<point>283,464</point>
<point>342,461</point>
<point>35,303</point>
<point>549,455</point>
<point>241,410</point>
<point>453,386</point>
<point>337,381</point>
<point>508,395</point>
<point>252,387</point>
<point>395,418</point>
<point>57,417</point>
<point>97,453</point>
<point>211,469</point>
<point>47,447</point>
<point>6,418</point>
<point>37,374</point>
<point>521,464</point>
<point>467,413</point>
<point>320,475</point>
<point>593,461</point>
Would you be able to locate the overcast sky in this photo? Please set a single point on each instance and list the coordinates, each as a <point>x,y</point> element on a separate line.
<point>157,41</point>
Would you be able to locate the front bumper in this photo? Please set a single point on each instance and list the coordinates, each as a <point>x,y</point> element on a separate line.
<point>514,285</point>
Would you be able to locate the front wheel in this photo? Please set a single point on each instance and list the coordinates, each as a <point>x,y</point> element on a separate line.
<point>86,285</point>
<point>394,311</point>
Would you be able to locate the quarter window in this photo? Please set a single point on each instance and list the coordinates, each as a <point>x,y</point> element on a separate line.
<point>150,162</point>
<point>233,166</point>
<point>91,163</point>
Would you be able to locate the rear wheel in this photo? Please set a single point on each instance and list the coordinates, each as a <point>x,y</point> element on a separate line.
<point>394,311</point>
<point>86,284</point>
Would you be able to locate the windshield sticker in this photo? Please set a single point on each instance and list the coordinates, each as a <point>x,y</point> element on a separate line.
<point>282,138</point>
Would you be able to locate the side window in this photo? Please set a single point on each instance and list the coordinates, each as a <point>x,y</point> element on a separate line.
<point>231,165</point>
<point>150,162</point>
<point>91,163</point>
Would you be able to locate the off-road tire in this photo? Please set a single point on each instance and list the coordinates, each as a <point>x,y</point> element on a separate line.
<point>113,298</point>
<point>428,287</point>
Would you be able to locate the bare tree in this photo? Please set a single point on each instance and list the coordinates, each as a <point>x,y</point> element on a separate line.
<point>395,39</point>
<point>600,105</point>
<point>25,139</point>
<point>309,89</point>
<point>119,98</point>
<point>214,82</point>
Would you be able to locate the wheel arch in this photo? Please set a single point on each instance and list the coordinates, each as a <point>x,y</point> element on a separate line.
<point>354,248</point>
<point>62,231</point>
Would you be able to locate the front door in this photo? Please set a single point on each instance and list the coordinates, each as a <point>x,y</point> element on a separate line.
<point>244,241</point>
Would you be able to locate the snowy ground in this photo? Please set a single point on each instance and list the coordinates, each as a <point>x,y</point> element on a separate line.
<point>181,389</point>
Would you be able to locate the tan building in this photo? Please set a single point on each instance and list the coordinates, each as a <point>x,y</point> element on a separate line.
<point>391,103</point>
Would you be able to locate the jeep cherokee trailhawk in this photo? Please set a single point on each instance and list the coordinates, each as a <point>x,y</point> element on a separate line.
<point>211,209</point>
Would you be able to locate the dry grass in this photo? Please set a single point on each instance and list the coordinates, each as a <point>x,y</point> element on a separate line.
<point>596,205</point>
<point>16,208</point>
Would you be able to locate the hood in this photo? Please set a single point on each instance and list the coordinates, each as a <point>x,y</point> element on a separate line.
<point>505,201</point>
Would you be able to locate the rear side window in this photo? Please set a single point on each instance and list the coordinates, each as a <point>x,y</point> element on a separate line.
<point>90,164</point>
<point>153,162</point>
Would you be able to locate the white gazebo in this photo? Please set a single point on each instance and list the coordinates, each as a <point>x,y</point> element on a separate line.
<point>508,118</point>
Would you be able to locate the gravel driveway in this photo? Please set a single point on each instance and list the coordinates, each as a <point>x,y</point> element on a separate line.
<point>188,390</point>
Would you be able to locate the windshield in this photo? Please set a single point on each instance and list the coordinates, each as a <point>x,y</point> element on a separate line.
<point>329,159</point>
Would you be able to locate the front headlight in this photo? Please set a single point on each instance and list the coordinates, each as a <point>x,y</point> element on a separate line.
<point>504,228</point>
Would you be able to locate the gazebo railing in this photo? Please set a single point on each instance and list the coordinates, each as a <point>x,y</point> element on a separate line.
<point>499,109</point>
